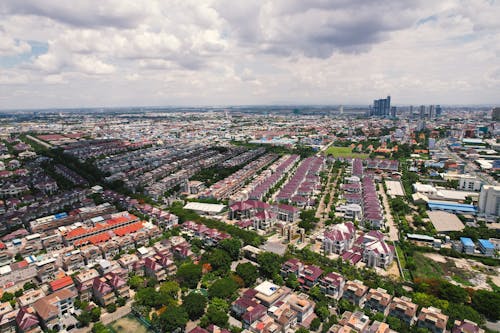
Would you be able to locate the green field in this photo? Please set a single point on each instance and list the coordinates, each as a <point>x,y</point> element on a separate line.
<point>344,152</point>
<point>427,268</point>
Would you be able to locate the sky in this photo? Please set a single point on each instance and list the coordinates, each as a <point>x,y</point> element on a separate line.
<point>98,53</point>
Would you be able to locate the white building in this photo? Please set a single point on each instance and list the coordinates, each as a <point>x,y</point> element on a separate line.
<point>469,183</point>
<point>489,200</point>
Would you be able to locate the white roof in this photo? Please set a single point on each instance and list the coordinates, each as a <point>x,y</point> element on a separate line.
<point>205,207</point>
<point>444,221</point>
<point>267,288</point>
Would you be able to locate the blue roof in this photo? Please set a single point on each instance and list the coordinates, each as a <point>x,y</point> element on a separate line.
<point>486,244</point>
<point>452,206</point>
<point>466,241</point>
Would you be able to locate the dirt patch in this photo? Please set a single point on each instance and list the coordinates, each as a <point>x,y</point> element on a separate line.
<point>436,257</point>
<point>128,325</point>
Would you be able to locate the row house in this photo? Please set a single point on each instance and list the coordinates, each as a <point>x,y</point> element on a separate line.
<point>54,306</point>
<point>210,237</point>
<point>91,253</point>
<point>61,283</point>
<point>432,319</point>
<point>103,292</point>
<point>284,316</point>
<point>8,318</point>
<point>52,241</point>
<point>46,270</point>
<point>288,213</point>
<point>73,261</point>
<point>84,283</point>
<point>127,261</point>
<point>355,292</point>
<point>154,269</point>
<point>109,249</point>
<point>466,326</point>
<point>29,297</point>
<point>303,306</point>
<point>352,322</point>
<point>17,273</point>
<point>27,321</point>
<point>248,310</point>
<point>378,300</point>
<point>332,285</point>
<point>404,309</point>
<point>119,285</point>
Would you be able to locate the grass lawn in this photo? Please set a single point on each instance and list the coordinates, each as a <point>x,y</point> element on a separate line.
<point>344,152</point>
<point>426,268</point>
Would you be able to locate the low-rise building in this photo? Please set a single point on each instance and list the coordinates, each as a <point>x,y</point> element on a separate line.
<point>378,300</point>
<point>432,319</point>
<point>332,285</point>
<point>355,292</point>
<point>54,306</point>
<point>404,309</point>
<point>103,292</point>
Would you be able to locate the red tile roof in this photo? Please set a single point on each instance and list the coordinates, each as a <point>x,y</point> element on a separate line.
<point>61,283</point>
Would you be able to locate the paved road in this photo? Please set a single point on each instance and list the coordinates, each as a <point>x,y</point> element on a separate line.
<point>393,229</point>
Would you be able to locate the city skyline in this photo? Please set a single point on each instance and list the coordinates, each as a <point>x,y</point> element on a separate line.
<point>120,53</point>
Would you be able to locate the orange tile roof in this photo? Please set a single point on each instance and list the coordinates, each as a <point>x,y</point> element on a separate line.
<point>61,283</point>
<point>129,229</point>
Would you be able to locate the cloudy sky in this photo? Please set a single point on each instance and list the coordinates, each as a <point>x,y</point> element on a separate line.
<point>77,53</point>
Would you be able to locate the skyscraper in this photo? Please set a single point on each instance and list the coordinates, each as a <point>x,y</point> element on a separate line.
<point>439,111</point>
<point>432,112</point>
<point>495,114</point>
<point>422,112</point>
<point>382,107</point>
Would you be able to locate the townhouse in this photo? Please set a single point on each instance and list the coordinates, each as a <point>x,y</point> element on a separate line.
<point>355,292</point>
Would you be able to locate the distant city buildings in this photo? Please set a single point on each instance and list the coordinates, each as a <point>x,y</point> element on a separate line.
<point>381,107</point>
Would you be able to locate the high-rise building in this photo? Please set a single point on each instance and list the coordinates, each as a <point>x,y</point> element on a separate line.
<point>421,114</point>
<point>411,111</point>
<point>432,112</point>
<point>489,200</point>
<point>393,112</point>
<point>495,114</point>
<point>382,107</point>
<point>439,111</point>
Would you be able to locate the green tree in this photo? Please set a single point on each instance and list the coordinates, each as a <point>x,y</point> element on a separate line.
<point>452,293</point>
<point>215,316</point>
<point>111,308</point>
<point>84,318</point>
<point>135,282</point>
<point>222,288</point>
<point>173,318</point>
<point>219,260</point>
<point>194,304</point>
<point>95,314</point>
<point>170,289</point>
<point>460,312</point>
<point>232,246</point>
<point>100,328</point>
<point>189,275</point>
<point>315,323</point>
<point>302,330</point>
<point>269,263</point>
<point>292,282</point>
<point>487,303</point>
<point>248,273</point>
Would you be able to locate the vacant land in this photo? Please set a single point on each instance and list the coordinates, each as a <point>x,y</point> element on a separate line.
<point>344,152</point>
<point>465,272</point>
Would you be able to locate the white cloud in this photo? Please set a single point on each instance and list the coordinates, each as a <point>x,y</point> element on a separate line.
<point>119,52</point>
